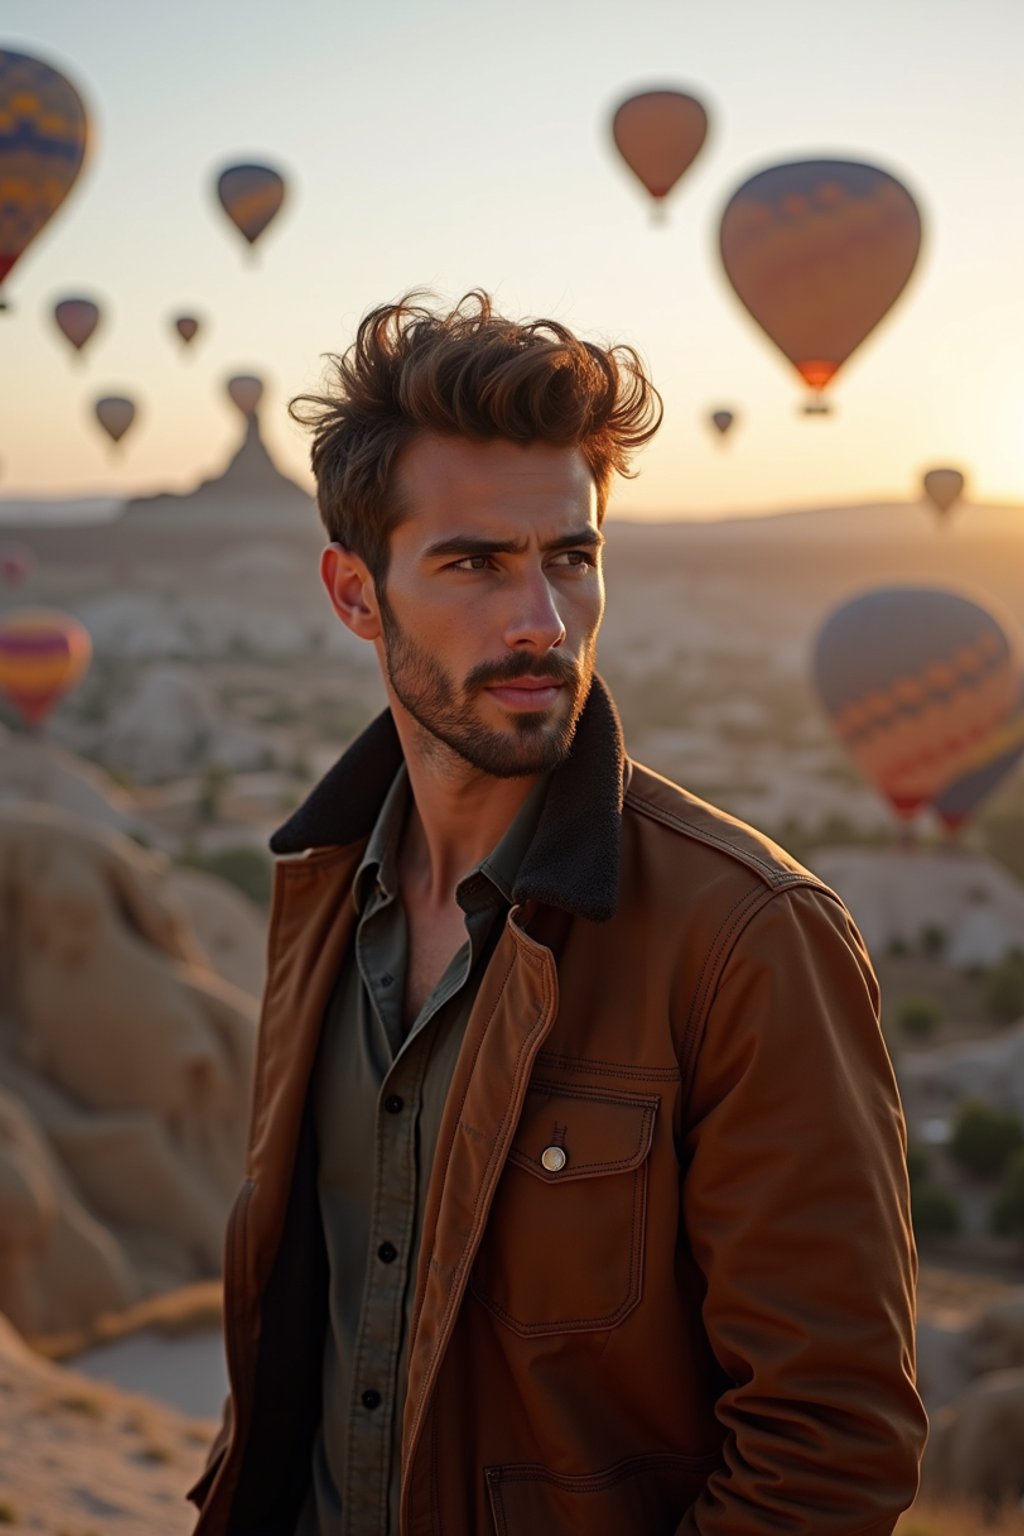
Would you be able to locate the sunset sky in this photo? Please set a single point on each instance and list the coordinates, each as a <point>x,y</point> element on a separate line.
<point>452,145</point>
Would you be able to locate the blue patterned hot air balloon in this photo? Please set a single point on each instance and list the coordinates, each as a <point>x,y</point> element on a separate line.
<point>44,133</point>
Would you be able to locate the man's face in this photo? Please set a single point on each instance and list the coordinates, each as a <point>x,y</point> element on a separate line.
<point>492,601</point>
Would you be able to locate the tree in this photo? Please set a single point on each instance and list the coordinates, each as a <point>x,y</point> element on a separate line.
<point>934,1211</point>
<point>985,1138</point>
<point>918,1017</point>
<point>933,940</point>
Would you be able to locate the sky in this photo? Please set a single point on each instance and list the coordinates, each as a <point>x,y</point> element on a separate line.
<point>451,145</point>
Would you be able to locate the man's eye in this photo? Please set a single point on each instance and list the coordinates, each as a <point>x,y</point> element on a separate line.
<point>576,558</point>
<point>472,563</point>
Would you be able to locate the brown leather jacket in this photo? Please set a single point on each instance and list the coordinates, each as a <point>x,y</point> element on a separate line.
<point>701,1325</point>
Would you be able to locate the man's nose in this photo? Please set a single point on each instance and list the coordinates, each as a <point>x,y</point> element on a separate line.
<point>535,622</point>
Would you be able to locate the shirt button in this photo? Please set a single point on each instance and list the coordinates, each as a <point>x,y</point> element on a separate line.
<point>393,1104</point>
<point>386,981</point>
<point>371,1398</point>
<point>387,1253</point>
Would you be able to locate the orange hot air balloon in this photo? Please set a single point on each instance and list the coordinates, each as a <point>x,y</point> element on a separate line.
<point>76,319</point>
<point>42,655</point>
<point>943,488</point>
<point>818,251</point>
<point>187,326</point>
<point>722,421</point>
<point>246,391</point>
<point>43,137</point>
<point>251,196</point>
<point>659,135</point>
<point>920,684</point>
<point>115,415</point>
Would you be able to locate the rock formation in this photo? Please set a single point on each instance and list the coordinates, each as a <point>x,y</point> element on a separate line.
<point>125,1068</point>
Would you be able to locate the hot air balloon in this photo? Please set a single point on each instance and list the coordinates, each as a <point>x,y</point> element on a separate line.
<point>943,488</point>
<point>42,655</point>
<point>186,326</point>
<point>992,761</point>
<point>246,391</point>
<point>818,251</point>
<point>16,562</point>
<point>915,680</point>
<point>115,415</point>
<point>721,421</point>
<point>659,135</point>
<point>76,319</point>
<point>43,138</point>
<point>250,196</point>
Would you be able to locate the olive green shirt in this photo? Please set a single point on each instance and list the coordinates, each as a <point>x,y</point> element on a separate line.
<point>378,1097</point>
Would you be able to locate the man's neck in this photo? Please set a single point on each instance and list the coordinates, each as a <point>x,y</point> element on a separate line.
<point>457,816</point>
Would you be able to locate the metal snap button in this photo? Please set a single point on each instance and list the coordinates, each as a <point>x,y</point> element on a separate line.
<point>553,1159</point>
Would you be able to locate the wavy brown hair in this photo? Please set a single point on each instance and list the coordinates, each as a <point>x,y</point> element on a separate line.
<point>466,373</point>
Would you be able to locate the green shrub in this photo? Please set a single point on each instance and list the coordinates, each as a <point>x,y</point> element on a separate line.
<point>918,1017</point>
<point>934,1210</point>
<point>897,948</point>
<point>1004,990</point>
<point>984,1138</point>
<point>1007,1215</point>
<point>932,940</point>
<point>251,870</point>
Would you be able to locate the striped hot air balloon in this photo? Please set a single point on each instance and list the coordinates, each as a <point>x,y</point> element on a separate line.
<point>919,683</point>
<point>43,654</point>
<point>44,133</point>
<point>251,196</point>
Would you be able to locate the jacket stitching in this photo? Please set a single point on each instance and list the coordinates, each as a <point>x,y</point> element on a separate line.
<point>601,1068</point>
<point>777,878</point>
<point>616,1165</point>
<point>710,967</point>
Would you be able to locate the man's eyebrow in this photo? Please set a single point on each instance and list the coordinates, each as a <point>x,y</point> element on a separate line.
<point>464,545</point>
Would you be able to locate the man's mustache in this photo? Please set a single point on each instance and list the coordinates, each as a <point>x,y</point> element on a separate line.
<point>489,674</point>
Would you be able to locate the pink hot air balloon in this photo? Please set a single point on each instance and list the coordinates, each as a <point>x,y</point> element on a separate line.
<point>115,415</point>
<point>187,327</point>
<point>246,391</point>
<point>76,319</point>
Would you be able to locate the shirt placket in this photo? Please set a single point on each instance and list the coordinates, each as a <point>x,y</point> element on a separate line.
<point>377,1353</point>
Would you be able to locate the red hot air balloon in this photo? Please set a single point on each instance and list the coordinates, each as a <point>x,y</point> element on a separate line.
<point>115,415</point>
<point>187,327</point>
<point>43,137</point>
<point>917,682</point>
<point>246,391</point>
<point>943,488</point>
<point>659,134</point>
<point>987,766</point>
<point>42,655</point>
<point>818,251</point>
<point>77,320</point>
<point>251,196</point>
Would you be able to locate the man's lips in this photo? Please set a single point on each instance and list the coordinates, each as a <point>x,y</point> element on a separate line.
<point>531,692</point>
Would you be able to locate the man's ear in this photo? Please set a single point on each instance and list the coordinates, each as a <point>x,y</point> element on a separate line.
<point>351,591</point>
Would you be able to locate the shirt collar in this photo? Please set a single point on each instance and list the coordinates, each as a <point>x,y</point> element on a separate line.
<point>494,874</point>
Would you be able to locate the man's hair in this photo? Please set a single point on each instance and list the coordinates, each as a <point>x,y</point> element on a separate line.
<point>466,373</point>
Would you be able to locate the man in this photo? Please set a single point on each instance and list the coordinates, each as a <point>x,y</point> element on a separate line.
<point>576,1197</point>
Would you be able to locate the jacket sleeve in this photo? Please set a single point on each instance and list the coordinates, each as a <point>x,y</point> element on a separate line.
<point>796,1206</point>
<point>201,1487</point>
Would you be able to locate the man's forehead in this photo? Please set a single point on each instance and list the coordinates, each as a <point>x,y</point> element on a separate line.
<point>437,473</point>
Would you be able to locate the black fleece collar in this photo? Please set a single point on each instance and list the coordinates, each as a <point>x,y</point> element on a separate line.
<point>573,860</point>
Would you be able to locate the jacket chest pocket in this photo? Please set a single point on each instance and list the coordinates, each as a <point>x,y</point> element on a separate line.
<point>564,1247</point>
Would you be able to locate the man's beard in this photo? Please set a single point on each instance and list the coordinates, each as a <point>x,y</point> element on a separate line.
<point>534,742</point>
